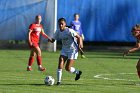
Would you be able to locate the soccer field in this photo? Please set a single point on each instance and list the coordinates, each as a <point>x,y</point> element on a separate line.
<point>103,72</point>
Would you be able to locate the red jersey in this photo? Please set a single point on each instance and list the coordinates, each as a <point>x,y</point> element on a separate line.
<point>35,34</point>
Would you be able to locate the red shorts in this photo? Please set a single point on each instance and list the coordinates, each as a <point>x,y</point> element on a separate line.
<point>34,45</point>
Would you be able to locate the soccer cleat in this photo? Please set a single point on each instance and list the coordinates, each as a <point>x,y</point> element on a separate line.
<point>58,83</point>
<point>29,69</point>
<point>83,56</point>
<point>41,69</point>
<point>78,76</point>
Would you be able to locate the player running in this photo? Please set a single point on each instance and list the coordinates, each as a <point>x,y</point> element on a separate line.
<point>136,34</point>
<point>69,50</point>
<point>76,25</point>
<point>35,29</point>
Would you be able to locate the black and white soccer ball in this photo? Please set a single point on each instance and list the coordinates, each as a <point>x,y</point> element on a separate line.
<point>49,81</point>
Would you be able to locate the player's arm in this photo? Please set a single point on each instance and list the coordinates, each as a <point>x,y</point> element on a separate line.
<point>55,37</point>
<point>52,40</point>
<point>81,31</point>
<point>45,35</point>
<point>29,37</point>
<point>80,45</point>
<point>79,39</point>
<point>137,47</point>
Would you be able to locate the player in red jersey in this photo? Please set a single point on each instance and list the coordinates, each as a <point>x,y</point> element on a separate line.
<point>35,29</point>
<point>136,34</point>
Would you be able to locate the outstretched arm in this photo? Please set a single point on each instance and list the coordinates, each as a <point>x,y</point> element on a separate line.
<point>137,47</point>
<point>80,45</point>
<point>45,35</point>
<point>51,40</point>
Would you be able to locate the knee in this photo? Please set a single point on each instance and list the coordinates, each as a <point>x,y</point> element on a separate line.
<point>39,53</point>
<point>32,55</point>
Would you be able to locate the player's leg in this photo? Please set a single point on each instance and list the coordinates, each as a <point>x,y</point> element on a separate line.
<point>62,60</point>
<point>138,68</point>
<point>39,59</point>
<point>69,67</point>
<point>31,59</point>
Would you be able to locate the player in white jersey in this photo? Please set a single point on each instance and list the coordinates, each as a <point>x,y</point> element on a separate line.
<point>69,50</point>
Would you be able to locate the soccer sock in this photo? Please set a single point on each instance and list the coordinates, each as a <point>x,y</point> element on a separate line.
<point>138,73</point>
<point>59,75</point>
<point>31,60</point>
<point>39,61</point>
<point>74,71</point>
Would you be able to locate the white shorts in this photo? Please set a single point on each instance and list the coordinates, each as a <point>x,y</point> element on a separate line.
<point>70,54</point>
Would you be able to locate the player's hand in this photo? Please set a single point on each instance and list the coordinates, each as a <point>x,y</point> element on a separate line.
<point>51,40</point>
<point>30,44</point>
<point>80,45</point>
<point>125,53</point>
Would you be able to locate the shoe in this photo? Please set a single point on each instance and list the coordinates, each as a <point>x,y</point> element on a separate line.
<point>29,69</point>
<point>83,56</point>
<point>58,83</point>
<point>78,76</point>
<point>41,69</point>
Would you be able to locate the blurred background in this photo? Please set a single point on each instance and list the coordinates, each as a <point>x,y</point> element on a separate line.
<point>104,22</point>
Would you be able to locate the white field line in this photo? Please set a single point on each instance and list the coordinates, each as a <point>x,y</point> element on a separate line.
<point>102,76</point>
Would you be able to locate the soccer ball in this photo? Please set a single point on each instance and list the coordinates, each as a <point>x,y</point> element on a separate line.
<point>49,81</point>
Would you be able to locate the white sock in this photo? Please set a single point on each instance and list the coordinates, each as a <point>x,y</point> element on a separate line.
<point>40,66</point>
<point>29,66</point>
<point>74,71</point>
<point>59,75</point>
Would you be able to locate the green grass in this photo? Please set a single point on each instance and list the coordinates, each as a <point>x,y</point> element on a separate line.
<point>117,74</point>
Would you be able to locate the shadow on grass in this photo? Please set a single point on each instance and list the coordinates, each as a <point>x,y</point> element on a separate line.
<point>114,57</point>
<point>132,83</point>
<point>117,84</point>
<point>71,84</point>
<point>39,84</point>
<point>23,84</point>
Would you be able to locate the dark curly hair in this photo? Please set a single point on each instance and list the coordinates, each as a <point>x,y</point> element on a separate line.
<point>61,19</point>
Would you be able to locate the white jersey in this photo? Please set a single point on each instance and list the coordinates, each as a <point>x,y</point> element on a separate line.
<point>68,39</point>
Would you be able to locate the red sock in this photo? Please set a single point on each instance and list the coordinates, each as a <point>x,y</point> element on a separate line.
<point>31,60</point>
<point>39,60</point>
<point>138,73</point>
